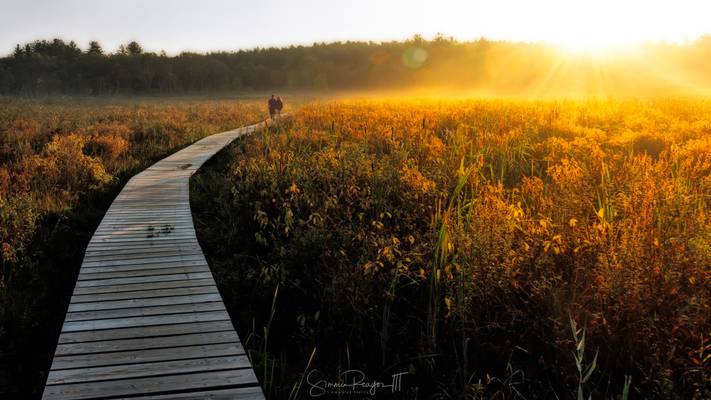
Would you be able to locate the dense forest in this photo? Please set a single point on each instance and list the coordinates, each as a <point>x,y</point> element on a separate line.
<point>58,67</point>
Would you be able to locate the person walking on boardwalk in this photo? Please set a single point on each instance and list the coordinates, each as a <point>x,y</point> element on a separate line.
<point>279,106</point>
<point>272,106</point>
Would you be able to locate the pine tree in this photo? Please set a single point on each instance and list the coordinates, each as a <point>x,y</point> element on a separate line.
<point>134,48</point>
<point>95,48</point>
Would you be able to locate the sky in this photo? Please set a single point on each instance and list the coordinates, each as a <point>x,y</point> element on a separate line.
<point>212,25</point>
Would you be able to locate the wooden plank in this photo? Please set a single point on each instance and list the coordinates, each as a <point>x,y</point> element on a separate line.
<point>133,344</point>
<point>151,252</point>
<point>95,248</point>
<point>145,234</point>
<point>152,217</point>
<point>73,326</point>
<point>138,261</point>
<point>136,221</point>
<point>132,218</point>
<point>165,194</point>
<point>149,208</point>
<point>140,303</point>
<point>139,240</point>
<point>139,230</point>
<point>169,309</point>
<point>91,374</point>
<point>143,223</point>
<point>87,273</point>
<point>141,294</point>
<point>240,393</point>
<point>147,355</point>
<point>143,286</point>
<point>136,271</point>
<point>143,213</point>
<point>142,279</point>
<point>139,332</point>
<point>145,263</point>
<point>178,214</point>
<point>150,205</point>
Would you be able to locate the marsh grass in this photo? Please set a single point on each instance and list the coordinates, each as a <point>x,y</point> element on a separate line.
<point>458,240</point>
<point>61,164</point>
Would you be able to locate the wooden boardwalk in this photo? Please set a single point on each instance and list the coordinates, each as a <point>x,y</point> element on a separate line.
<point>146,320</point>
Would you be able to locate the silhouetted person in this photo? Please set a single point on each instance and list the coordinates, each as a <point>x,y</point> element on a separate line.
<point>279,105</point>
<point>272,106</point>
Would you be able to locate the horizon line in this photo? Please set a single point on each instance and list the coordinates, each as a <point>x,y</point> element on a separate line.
<point>441,36</point>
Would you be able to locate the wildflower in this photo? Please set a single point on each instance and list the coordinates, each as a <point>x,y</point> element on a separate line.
<point>601,213</point>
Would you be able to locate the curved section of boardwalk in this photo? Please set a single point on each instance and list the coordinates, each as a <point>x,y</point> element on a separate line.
<point>146,320</point>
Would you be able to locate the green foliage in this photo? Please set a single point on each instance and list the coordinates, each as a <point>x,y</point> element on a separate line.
<point>584,371</point>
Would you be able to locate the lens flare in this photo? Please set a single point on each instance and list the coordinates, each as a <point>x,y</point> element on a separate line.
<point>414,57</point>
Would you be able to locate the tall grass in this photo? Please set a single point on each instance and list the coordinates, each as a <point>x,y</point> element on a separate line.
<point>457,240</point>
<point>61,164</point>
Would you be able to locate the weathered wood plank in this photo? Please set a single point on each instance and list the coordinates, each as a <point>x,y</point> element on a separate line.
<point>139,332</point>
<point>151,385</point>
<point>143,286</point>
<point>91,374</point>
<point>151,253</point>
<point>142,279</point>
<point>87,273</point>
<point>124,313</point>
<point>149,302</point>
<point>106,346</point>
<point>73,326</point>
<point>141,294</point>
<point>95,248</point>
<point>163,238</point>
<point>240,393</point>
<point>136,271</point>
<point>138,261</point>
<point>148,355</point>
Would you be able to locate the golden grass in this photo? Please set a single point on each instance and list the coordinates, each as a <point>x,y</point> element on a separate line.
<point>466,234</point>
<point>61,164</point>
<point>52,154</point>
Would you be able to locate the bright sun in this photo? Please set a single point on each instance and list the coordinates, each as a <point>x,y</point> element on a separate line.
<point>586,26</point>
<point>597,27</point>
<point>594,43</point>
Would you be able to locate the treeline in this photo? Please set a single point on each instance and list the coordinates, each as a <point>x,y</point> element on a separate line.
<point>47,67</point>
